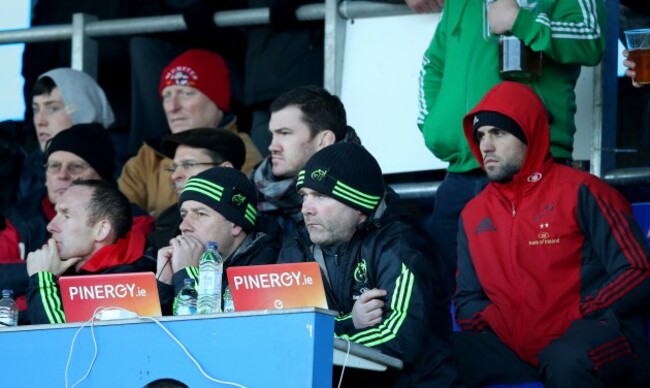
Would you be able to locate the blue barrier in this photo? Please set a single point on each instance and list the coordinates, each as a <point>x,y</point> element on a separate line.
<point>288,348</point>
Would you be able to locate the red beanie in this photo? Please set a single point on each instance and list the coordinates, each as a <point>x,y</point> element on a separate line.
<point>203,70</point>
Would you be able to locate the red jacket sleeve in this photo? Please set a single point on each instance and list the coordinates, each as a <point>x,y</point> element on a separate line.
<point>613,237</point>
<point>9,245</point>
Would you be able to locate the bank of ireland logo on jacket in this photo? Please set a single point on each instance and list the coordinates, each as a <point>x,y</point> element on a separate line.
<point>545,234</point>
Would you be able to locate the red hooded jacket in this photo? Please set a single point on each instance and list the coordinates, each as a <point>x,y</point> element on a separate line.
<point>553,245</point>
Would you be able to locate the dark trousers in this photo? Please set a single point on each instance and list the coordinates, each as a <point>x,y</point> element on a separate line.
<point>592,353</point>
<point>451,197</point>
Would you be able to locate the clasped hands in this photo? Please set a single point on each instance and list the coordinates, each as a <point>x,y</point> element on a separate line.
<point>182,252</point>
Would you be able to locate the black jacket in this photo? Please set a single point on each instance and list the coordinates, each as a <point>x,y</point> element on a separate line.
<point>386,253</point>
<point>32,175</point>
<point>30,220</point>
<point>49,309</point>
<point>166,227</point>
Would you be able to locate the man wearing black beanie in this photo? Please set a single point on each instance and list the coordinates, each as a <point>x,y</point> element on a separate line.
<point>82,152</point>
<point>553,272</point>
<point>378,274</point>
<point>218,204</point>
<point>192,152</point>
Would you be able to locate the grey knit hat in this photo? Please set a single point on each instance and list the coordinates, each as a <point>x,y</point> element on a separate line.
<point>84,99</point>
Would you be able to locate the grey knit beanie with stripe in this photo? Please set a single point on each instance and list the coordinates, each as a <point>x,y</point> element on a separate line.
<point>227,191</point>
<point>347,173</point>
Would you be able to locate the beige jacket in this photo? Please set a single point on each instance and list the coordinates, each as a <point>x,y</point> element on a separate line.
<point>146,183</point>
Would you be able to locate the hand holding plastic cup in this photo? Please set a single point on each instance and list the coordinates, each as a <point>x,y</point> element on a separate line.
<point>638,45</point>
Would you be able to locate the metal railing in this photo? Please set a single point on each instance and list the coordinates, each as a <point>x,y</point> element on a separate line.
<point>85,28</point>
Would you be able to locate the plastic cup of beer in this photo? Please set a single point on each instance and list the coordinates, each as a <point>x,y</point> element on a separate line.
<point>638,46</point>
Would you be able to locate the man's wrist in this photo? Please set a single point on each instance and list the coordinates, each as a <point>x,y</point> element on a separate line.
<point>167,279</point>
<point>34,271</point>
<point>45,271</point>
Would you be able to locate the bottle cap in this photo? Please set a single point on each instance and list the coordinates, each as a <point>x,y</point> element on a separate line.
<point>211,245</point>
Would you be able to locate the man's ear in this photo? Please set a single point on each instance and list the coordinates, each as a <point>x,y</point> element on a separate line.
<point>326,138</point>
<point>236,230</point>
<point>102,230</point>
<point>362,217</point>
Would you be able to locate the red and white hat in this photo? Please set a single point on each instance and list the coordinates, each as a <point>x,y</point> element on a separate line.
<point>203,70</point>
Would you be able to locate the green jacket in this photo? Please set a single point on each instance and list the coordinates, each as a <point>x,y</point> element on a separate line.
<point>460,66</point>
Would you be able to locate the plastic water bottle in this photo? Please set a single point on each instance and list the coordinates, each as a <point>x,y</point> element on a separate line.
<point>210,273</point>
<point>228,305</point>
<point>187,299</point>
<point>8,309</point>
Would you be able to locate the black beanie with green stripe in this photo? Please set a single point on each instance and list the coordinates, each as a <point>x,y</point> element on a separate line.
<point>227,191</point>
<point>347,173</point>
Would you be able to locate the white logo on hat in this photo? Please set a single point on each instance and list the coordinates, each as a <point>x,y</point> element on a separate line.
<point>475,120</point>
<point>180,78</point>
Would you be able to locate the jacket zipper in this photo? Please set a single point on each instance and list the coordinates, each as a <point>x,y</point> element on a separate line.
<point>329,288</point>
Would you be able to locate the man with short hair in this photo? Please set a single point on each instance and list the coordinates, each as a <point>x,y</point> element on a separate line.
<point>379,275</point>
<point>67,157</point>
<point>216,205</point>
<point>84,151</point>
<point>195,93</point>
<point>303,121</point>
<point>61,98</point>
<point>553,271</point>
<point>193,151</point>
<point>91,233</point>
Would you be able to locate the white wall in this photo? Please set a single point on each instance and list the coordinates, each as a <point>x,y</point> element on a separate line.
<point>380,87</point>
<point>15,14</point>
<point>585,119</point>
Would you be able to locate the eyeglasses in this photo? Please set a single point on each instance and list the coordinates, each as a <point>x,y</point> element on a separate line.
<point>188,166</point>
<point>74,168</point>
